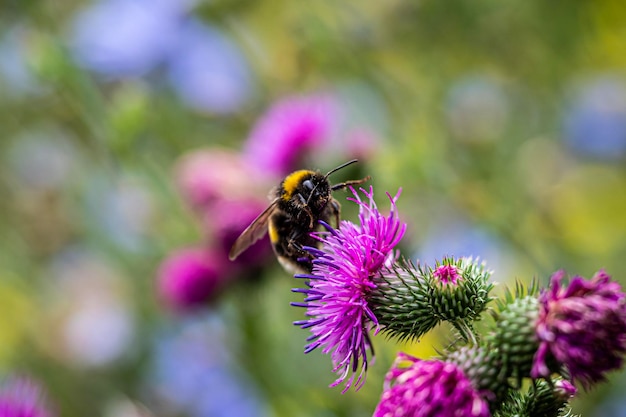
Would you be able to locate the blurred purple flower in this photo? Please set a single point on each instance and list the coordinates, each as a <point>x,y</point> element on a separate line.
<point>429,389</point>
<point>582,326</point>
<point>122,38</point>
<point>208,70</point>
<point>595,125</point>
<point>290,128</point>
<point>336,302</point>
<point>190,277</point>
<point>21,397</point>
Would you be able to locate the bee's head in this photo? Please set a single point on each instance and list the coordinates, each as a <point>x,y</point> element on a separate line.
<point>315,190</point>
<point>308,188</point>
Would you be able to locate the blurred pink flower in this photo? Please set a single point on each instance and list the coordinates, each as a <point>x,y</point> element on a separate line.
<point>22,397</point>
<point>227,219</point>
<point>190,277</point>
<point>291,127</point>
<point>361,143</point>
<point>208,175</point>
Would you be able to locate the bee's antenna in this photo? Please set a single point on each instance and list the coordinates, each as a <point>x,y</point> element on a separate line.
<point>340,167</point>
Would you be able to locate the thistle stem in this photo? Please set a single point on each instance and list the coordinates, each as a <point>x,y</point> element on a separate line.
<point>466,331</point>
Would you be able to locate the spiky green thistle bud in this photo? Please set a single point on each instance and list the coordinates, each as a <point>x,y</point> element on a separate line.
<point>459,288</point>
<point>543,398</point>
<point>481,364</point>
<point>515,336</point>
<point>410,300</point>
<point>401,303</point>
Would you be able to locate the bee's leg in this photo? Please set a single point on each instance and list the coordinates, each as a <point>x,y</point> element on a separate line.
<point>311,218</point>
<point>297,249</point>
<point>295,245</point>
<point>335,210</point>
<point>307,210</point>
<point>294,237</point>
<point>346,184</point>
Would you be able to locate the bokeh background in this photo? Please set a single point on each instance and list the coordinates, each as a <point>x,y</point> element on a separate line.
<point>138,137</point>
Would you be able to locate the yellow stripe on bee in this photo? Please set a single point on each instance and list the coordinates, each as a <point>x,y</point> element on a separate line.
<point>271,230</point>
<point>291,182</point>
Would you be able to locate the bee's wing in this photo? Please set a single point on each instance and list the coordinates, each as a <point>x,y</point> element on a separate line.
<point>254,232</point>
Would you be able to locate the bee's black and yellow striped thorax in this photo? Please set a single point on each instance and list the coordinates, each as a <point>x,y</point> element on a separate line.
<point>302,199</point>
<point>292,181</point>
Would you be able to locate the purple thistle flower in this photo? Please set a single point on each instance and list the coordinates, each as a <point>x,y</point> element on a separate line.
<point>582,326</point>
<point>290,128</point>
<point>21,397</point>
<point>430,388</point>
<point>341,280</point>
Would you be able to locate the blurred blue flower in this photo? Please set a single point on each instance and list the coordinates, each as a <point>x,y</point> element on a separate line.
<point>194,372</point>
<point>129,38</point>
<point>43,158</point>
<point>94,323</point>
<point>122,210</point>
<point>122,38</point>
<point>455,237</point>
<point>208,71</point>
<point>614,405</point>
<point>16,76</point>
<point>595,124</point>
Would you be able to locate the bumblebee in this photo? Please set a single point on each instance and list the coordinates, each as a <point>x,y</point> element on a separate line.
<point>301,200</point>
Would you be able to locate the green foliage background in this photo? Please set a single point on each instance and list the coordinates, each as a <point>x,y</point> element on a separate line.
<point>546,206</point>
